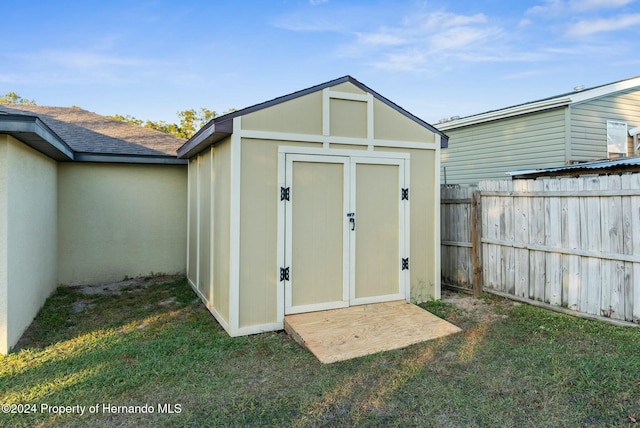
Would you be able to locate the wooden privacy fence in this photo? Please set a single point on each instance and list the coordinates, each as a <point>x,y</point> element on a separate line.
<point>571,243</point>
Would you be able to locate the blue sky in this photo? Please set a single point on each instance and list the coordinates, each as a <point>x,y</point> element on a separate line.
<point>436,59</point>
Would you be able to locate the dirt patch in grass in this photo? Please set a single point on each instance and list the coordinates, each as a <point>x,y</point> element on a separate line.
<point>487,308</point>
<point>512,365</point>
<point>116,287</point>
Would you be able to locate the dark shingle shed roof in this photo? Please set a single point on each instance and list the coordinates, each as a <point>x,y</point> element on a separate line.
<point>92,137</point>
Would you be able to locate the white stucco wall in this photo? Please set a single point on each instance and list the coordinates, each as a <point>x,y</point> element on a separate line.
<point>28,236</point>
<point>118,220</point>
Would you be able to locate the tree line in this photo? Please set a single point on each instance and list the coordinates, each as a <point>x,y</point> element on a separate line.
<point>189,121</point>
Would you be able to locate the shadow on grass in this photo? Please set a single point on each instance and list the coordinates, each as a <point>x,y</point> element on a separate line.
<point>159,345</point>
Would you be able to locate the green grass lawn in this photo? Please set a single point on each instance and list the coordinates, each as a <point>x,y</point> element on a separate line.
<point>158,346</point>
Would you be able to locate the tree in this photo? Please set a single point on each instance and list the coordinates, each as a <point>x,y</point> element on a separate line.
<point>190,121</point>
<point>14,98</point>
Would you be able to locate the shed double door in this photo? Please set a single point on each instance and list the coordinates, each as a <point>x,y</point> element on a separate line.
<point>345,240</point>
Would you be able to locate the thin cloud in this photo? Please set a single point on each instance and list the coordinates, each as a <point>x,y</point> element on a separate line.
<point>558,7</point>
<point>581,5</point>
<point>414,43</point>
<point>88,60</point>
<point>380,39</point>
<point>593,26</point>
<point>79,66</point>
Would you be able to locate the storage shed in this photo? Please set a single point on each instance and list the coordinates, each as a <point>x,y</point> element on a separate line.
<point>321,199</point>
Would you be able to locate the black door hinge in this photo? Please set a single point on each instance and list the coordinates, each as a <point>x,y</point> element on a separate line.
<point>405,264</point>
<point>284,193</point>
<point>284,274</point>
<point>405,194</point>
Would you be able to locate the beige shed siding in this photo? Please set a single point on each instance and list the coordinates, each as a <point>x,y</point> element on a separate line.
<point>301,115</point>
<point>589,123</point>
<point>28,236</point>
<point>118,220</point>
<point>221,227</point>
<point>335,146</point>
<point>489,150</point>
<point>205,220</point>
<point>192,262</point>
<point>390,125</point>
<point>348,118</point>
<point>258,229</point>
<point>348,87</point>
<point>423,245</point>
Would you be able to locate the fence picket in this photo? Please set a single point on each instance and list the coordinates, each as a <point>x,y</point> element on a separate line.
<point>571,242</point>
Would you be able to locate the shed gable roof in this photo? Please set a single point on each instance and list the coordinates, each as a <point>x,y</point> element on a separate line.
<point>222,126</point>
<point>562,100</point>
<point>88,135</point>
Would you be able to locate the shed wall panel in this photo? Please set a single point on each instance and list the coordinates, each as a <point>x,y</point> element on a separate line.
<point>192,263</point>
<point>118,220</point>
<point>348,146</point>
<point>425,281</point>
<point>301,115</point>
<point>259,227</point>
<point>221,227</point>
<point>31,237</point>
<point>489,150</point>
<point>348,87</point>
<point>589,123</point>
<point>348,118</point>
<point>205,220</point>
<point>391,125</point>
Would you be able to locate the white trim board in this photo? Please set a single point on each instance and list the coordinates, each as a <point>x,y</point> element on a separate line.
<point>327,139</point>
<point>234,206</point>
<point>341,152</point>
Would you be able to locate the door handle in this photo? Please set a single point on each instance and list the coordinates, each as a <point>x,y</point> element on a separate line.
<point>352,220</point>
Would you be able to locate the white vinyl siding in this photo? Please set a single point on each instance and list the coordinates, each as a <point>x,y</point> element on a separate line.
<point>489,150</point>
<point>589,123</point>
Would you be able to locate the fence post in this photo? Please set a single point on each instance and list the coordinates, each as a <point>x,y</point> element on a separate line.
<point>476,242</point>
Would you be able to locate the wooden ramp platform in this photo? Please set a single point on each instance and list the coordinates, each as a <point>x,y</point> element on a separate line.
<point>341,334</point>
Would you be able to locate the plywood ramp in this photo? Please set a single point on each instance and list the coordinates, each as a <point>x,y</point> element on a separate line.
<point>341,334</point>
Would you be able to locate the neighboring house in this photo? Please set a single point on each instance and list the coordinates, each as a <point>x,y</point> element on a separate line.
<point>83,199</point>
<point>579,126</point>
<point>307,202</point>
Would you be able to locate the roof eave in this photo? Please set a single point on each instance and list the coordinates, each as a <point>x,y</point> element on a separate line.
<point>209,134</point>
<point>505,113</point>
<point>222,126</point>
<point>36,134</point>
<point>128,158</point>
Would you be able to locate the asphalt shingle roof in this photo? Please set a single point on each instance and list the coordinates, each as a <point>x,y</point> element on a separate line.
<point>87,132</point>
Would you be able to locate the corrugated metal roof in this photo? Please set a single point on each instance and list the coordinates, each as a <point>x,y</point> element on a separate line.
<point>586,166</point>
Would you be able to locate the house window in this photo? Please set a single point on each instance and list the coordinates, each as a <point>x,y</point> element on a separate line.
<point>617,138</point>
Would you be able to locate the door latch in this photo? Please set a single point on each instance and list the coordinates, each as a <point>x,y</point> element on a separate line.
<point>352,220</point>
